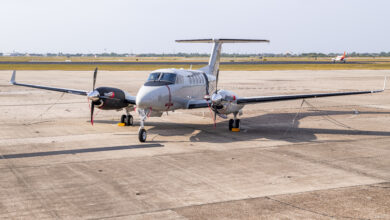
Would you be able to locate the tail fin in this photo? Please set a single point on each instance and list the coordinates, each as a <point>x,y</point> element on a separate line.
<point>344,54</point>
<point>213,66</point>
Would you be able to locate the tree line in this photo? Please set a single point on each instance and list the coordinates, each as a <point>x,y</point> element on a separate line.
<point>353,54</point>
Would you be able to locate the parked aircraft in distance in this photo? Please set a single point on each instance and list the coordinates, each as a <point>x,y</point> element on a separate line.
<point>339,58</point>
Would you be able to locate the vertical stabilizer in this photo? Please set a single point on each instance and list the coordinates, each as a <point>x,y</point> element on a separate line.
<point>213,67</point>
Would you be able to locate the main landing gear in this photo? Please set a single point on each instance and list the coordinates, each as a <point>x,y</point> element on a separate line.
<point>234,124</point>
<point>127,119</point>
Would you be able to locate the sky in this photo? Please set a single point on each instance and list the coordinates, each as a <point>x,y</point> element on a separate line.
<point>152,26</point>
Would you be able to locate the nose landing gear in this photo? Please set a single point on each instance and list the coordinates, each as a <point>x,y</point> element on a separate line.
<point>141,131</point>
<point>142,134</point>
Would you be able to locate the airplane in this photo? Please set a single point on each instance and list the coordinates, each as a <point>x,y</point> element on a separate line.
<point>339,58</point>
<point>171,89</point>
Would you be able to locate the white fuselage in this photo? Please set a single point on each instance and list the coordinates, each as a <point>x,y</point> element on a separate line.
<point>189,85</point>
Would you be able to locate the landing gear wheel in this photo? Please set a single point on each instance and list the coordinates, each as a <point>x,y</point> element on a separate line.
<point>142,135</point>
<point>231,121</point>
<point>123,117</point>
<point>237,123</point>
<point>129,120</point>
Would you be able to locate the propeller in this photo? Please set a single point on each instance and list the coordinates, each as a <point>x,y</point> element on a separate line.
<point>216,94</point>
<point>94,78</point>
<point>215,100</point>
<point>92,108</point>
<point>94,95</point>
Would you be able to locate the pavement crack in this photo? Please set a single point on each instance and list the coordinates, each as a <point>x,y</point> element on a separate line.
<point>311,211</point>
<point>36,194</point>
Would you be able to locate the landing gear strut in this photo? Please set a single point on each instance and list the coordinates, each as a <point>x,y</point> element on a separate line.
<point>127,119</point>
<point>141,131</point>
<point>234,124</point>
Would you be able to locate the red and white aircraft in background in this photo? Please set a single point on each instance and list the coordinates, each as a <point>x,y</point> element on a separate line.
<point>339,58</point>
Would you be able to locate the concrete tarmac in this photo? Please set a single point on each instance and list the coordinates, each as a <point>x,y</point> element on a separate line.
<point>325,158</point>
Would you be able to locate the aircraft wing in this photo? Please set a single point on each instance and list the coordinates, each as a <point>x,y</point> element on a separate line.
<point>71,91</point>
<point>260,99</point>
<point>130,99</point>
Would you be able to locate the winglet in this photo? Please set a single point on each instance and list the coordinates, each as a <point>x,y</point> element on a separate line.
<point>384,84</point>
<point>13,82</point>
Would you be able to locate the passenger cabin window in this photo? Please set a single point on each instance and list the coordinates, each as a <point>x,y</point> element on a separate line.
<point>196,78</point>
<point>160,79</point>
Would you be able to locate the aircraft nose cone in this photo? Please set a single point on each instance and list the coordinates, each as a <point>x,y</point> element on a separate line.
<point>144,101</point>
<point>150,97</point>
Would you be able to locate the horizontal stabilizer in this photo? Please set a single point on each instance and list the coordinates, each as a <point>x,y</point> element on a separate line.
<point>223,40</point>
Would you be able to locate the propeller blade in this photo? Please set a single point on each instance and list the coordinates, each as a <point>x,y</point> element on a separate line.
<point>211,113</point>
<point>216,81</point>
<point>94,78</point>
<point>92,108</point>
<point>215,119</point>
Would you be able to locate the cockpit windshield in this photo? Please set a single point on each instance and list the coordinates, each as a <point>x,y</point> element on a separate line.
<point>168,77</point>
<point>154,76</point>
<point>156,79</point>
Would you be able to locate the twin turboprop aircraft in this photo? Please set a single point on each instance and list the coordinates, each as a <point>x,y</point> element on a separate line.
<point>170,89</point>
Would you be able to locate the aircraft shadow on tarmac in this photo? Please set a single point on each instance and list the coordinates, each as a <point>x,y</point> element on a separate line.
<point>78,151</point>
<point>273,126</point>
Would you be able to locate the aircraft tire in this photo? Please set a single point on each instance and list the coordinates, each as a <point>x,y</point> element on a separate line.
<point>129,120</point>
<point>123,117</point>
<point>237,123</point>
<point>231,121</point>
<point>142,135</point>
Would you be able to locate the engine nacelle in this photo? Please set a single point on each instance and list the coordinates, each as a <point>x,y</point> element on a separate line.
<point>225,102</point>
<point>111,98</point>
